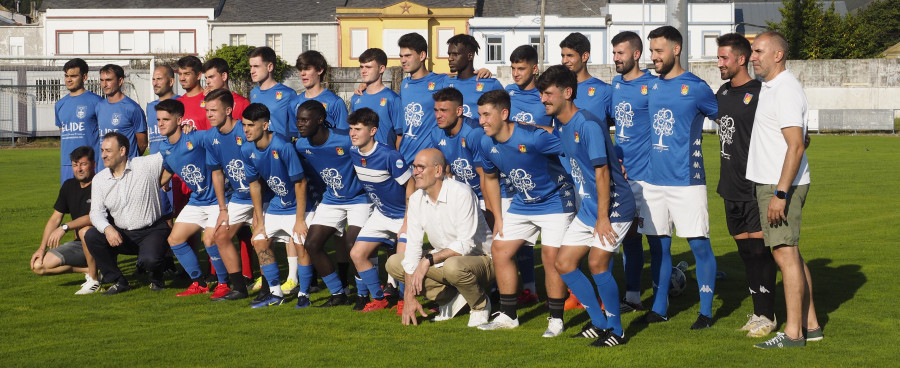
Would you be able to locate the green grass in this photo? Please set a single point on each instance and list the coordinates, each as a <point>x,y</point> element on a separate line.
<point>849,241</point>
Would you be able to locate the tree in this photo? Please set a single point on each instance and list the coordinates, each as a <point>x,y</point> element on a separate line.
<point>882,20</point>
<point>624,117</point>
<point>237,59</point>
<point>191,174</point>
<point>332,178</point>
<point>463,170</point>
<point>521,179</point>
<point>726,133</point>
<point>414,115</point>
<point>663,122</point>
<point>798,18</point>
<point>235,170</point>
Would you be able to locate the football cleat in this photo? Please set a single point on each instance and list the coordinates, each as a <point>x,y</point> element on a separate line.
<point>653,317</point>
<point>289,286</point>
<point>89,286</point>
<point>701,322</point>
<point>302,301</point>
<point>501,322</point>
<point>627,307</point>
<point>194,289</point>
<point>233,295</point>
<point>376,305</point>
<point>335,300</point>
<point>361,301</point>
<point>221,290</point>
<point>526,298</point>
<point>589,331</point>
<point>398,307</point>
<point>751,323</point>
<point>814,335</point>
<point>781,340</point>
<point>269,300</point>
<point>608,339</point>
<point>391,292</point>
<point>117,288</point>
<point>763,327</point>
<point>554,327</point>
<point>257,284</point>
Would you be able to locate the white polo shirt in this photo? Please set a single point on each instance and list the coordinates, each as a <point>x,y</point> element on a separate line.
<point>782,104</point>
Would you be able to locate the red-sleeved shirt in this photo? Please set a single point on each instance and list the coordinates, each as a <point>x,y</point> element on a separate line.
<point>240,103</point>
<point>195,111</point>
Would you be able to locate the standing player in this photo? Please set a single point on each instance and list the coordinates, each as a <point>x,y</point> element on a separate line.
<point>119,113</point>
<point>383,175</point>
<point>606,211</point>
<point>630,96</point>
<point>376,96</point>
<point>216,71</point>
<point>525,99</point>
<point>593,94</point>
<point>313,68</point>
<point>163,81</point>
<point>543,204</point>
<point>458,138</point>
<point>76,117</point>
<point>737,105</point>
<point>676,187</point>
<point>189,72</point>
<point>415,96</point>
<point>461,51</point>
<point>270,159</point>
<point>327,151</point>
<point>276,96</point>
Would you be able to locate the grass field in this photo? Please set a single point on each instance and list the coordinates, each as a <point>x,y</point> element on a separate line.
<point>849,241</point>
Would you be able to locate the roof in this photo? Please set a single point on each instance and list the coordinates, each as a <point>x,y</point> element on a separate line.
<point>127,4</point>
<point>279,11</point>
<point>564,8</point>
<point>751,17</point>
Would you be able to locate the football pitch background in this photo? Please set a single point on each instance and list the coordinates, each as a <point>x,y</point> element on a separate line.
<point>849,240</point>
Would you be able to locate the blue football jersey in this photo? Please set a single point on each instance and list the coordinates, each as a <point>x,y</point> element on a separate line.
<point>383,173</point>
<point>629,109</point>
<point>187,158</point>
<point>587,145</point>
<point>279,166</point>
<point>472,90</point>
<point>223,152</point>
<point>335,107</point>
<point>278,99</point>
<point>418,113</point>
<point>77,119</point>
<point>125,117</point>
<point>461,152</point>
<point>678,106</point>
<point>530,159</point>
<point>386,103</point>
<point>526,106</point>
<point>331,163</point>
<point>154,137</point>
<point>594,95</point>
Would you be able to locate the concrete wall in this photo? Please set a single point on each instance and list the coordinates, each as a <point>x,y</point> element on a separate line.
<point>32,38</point>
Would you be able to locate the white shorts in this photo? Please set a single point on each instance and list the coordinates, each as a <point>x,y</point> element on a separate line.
<point>204,216</point>
<point>504,204</point>
<point>685,207</point>
<point>551,228</point>
<point>336,215</point>
<point>637,188</point>
<point>582,234</point>
<point>240,213</point>
<point>380,229</point>
<point>281,227</point>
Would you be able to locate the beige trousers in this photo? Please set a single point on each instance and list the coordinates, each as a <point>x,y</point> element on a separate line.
<point>469,275</point>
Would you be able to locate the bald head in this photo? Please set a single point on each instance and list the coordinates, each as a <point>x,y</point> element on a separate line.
<point>428,170</point>
<point>433,156</point>
<point>769,54</point>
<point>777,39</point>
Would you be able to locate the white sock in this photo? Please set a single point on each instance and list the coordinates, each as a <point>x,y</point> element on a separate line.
<point>277,291</point>
<point>391,280</point>
<point>633,297</point>
<point>530,286</point>
<point>292,269</point>
<point>89,278</point>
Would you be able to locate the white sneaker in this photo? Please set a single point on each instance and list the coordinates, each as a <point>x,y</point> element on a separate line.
<point>764,326</point>
<point>554,327</point>
<point>500,322</point>
<point>90,286</point>
<point>480,317</point>
<point>447,311</point>
<point>754,320</point>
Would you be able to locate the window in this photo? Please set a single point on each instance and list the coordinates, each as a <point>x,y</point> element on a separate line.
<point>710,47</point>
<point>48,90</point>
<point>443,35</point>
<point>17,46</point>
<point>95,43</point>
<point>310,42</point>
<point>126,42</point>
<point>237,40</point>
<point>64,43</point>
<point>535,41</point>
<point>495,49</point>
<point>359,41</point>
<point>186,43</point>
<point>157,42</point>
<point>93,85</point>
<point>274,41</point>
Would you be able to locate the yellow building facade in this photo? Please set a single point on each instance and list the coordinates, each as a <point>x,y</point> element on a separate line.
<point>363,28</point>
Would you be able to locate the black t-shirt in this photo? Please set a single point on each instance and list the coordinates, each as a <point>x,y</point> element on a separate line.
<point>737,106</point>
<point>73,199</point>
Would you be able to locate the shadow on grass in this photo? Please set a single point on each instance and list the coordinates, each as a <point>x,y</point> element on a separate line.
<point>833,286</point>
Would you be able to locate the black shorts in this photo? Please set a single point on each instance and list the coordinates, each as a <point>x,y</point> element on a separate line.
<point>742,217</point>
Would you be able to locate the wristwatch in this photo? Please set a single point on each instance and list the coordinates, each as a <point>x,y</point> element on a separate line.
<point>65,227</point>
<point>780,194</point>
<point>430,258</point>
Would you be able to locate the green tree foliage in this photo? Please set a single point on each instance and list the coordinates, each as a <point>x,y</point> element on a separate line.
<point>24,5</point>
<point>883,19</point>
<point>237,59</point>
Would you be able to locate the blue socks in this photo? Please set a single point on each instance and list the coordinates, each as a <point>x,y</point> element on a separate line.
<point>633,258</point>
<point>402,288</point>
<point>334,283</point>
<point>706,272</point>
<point>305,275</point>
<point>581,287</point>
<point>270,271</point>
<point>609,294</point>
<point>218,264</point>
<point>372,282</point>
<point>361,288</point>
<point>188,260</point>
<point>661,268</point>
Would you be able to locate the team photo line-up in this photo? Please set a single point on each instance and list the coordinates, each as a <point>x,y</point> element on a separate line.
<point>483,171</point>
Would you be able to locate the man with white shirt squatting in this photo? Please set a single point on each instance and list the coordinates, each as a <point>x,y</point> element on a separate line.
<point>543,204</point>
<point>606,211</point>
<point>777,164</point>
<point>458,270</point>
<point>676,187</point>
<point>385,177</point>
<point>128,190</point>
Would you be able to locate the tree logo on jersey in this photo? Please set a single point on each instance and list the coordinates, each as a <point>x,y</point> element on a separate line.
<point>116,118</point>
<point>80,111</point>
<point>726,134</point>
<point>462,170</point>
<point>414,115</point>
<point>663,122</point>
<point>684,89</point>
<point>521,180</point>
<point>524,117</point>
<point>624,117</point>
<point>383,102</point>
<point>277,186</point>
<point>591,91</point>
<point>235,171</point>
<point>191,174</point>
<point>332,178</point>
<point>747,98</point>
<point>578,177</point>
<point>467,111</point>
<point>644,89</point>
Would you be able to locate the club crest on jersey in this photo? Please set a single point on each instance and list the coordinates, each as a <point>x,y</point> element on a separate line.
<point>190,145</point>
<point>522,148</point>
<point>747,98</point>
<point>203,103</point>
<point>577,139</point>
<point>275,154</point>
<point>239,141</point>
<point>116,118</point>
<point>340,151</point>
<point>325,105</point>
<point>431,86</point>
<point>463,140</point>
<point>383,102</point>
<point>80,111</point>
<point>684,89</point>
<point>591,91</point>
<point>278,95</point>
<point>399,163</point>
<point>644,89</point>
<point>479,87</point>
<point>364,162</point>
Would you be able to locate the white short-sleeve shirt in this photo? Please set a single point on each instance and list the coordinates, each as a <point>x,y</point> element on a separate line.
<point>782,104</point>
